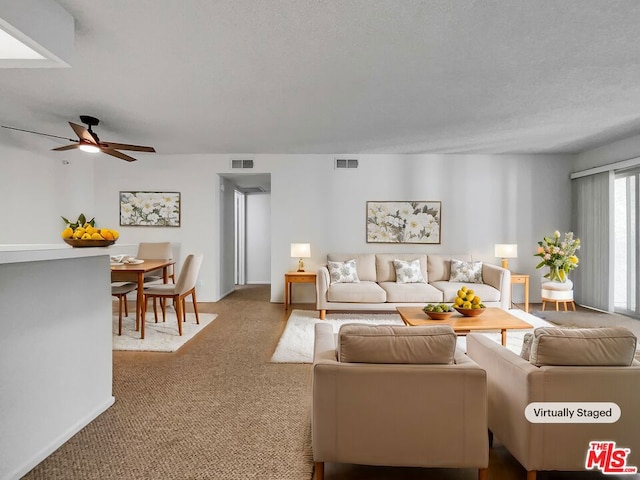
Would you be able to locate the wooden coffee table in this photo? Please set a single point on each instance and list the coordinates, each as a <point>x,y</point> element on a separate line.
<point>492,319</point>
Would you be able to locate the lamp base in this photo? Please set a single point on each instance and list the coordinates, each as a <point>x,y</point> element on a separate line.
<point>300,266</point>
<point>505,264</point>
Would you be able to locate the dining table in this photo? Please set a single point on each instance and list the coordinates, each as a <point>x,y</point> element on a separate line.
<point>135,272</point>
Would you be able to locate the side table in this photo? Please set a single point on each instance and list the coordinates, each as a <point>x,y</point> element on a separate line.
<point>295,277</point>
<point>519,278</point>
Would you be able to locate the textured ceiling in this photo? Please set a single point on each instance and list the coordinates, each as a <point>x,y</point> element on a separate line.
<point>340,76</point>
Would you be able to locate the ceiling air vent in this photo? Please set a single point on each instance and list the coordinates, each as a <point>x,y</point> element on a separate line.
<point>346,163</point>
<point>241,163</point>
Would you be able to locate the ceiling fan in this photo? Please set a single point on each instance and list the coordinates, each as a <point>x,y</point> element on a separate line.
<point>88,140</point>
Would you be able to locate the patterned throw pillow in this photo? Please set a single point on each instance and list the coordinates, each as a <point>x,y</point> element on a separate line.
<point>469,272</point>
<point>343,272</point>
<point>408,272</point>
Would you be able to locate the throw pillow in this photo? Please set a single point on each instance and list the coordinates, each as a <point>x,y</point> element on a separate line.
<point>408,271</point>
<point>469,272</point>
<point>526,346</point>
<point>343,272</point>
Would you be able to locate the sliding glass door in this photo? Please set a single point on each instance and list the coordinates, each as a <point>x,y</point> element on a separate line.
<point>627,214</point>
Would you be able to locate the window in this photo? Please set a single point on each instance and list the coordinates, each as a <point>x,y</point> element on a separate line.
<point>627,214</point>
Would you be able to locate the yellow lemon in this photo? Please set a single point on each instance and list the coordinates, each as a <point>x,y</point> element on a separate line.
<point>91,230</point>
<point>464,289</point>
<point>470,297</point>
<point>116,235</point>
<point>106,234</point>
<point>96,236</point>
<point>476,300</point>
<point>67,233</point>
<point>466,305</point>
<point>79,231</point>
<point>86,236</point>
<point>475,306</point>
<point>461,293</point>
<point>470,292</point>
<point>459,301</point>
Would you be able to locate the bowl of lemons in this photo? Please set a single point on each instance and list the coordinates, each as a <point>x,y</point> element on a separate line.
<point>468,303</point>
<point>441,311</point>
<point>83,233</point>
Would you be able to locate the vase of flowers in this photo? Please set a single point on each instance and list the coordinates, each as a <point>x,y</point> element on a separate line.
<point>559,254</point>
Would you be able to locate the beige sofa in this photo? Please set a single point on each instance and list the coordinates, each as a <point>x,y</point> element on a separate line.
<point>397,396</point>
<point>378,289</point>
<point>565,365</point>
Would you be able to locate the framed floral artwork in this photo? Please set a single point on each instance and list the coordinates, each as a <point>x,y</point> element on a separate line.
<point>150,209</point>
<point>403,222</point>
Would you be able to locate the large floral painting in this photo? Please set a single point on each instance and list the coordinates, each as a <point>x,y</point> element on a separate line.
<point>153,209</point>
<point>403,222</point>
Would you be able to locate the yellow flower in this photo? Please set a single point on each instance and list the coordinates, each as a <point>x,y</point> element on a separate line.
<point>573,259</point>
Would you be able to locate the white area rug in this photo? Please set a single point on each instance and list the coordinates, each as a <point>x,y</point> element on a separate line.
<point>296,342</point>
<point>158,337</point>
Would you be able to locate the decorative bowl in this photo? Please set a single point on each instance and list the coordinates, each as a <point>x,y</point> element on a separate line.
<point>88,243</point>
<point>470,312</point>
<point>438,315</point>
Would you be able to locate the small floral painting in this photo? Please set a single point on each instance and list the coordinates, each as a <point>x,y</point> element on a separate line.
<point>152,209</point>
<point>403,222</point>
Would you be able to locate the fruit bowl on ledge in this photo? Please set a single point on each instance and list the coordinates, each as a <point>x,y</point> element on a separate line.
<point>470,312</point>
<point>88,243</point>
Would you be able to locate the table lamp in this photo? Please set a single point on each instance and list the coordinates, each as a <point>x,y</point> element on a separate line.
<point>506,251</point>
<point>300,251</point>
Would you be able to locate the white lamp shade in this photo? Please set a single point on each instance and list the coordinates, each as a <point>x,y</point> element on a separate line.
<point>300,250</point>
<point>503,250</point>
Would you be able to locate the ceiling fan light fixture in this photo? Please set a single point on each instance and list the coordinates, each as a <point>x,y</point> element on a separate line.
<point>88,147</point>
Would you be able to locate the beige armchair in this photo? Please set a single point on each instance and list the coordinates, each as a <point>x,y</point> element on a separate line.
<point>564,365</point>
<point>397,396</point>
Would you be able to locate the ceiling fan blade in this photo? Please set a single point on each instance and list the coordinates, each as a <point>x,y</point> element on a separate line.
<point>83,133</point>
<point>66,147</point>
<point>117,154</point>
<point>124,146</point>
<point>38,133</point>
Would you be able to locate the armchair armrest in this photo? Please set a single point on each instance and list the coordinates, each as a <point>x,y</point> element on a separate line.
<point>323,280</point>
<point>500,279</point>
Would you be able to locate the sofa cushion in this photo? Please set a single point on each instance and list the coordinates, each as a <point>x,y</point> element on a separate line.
<point>610,346</point>
<point>343,272</point>
<point>386,270</point>
<point>439,266</point>
<point>450,290</point>
<point>411,292</point>
<point>365,264</point>
<point>469,272</point>
<point>362,292</point>
<point>434,344</point>
<point>408,271</point>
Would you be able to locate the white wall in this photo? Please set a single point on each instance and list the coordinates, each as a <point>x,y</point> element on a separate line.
<point>258,235</point>
<point>624,149</point>
<point>486,199</point>
<point>37,188</point>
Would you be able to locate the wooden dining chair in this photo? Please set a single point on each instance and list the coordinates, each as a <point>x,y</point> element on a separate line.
<point>156,251</point>
<point>184,286</point>
<point>120,290</point>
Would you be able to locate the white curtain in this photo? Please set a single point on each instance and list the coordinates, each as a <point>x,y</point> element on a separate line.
<point>592,198</point>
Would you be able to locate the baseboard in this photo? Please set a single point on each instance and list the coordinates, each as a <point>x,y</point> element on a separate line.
<point>59,441</point>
